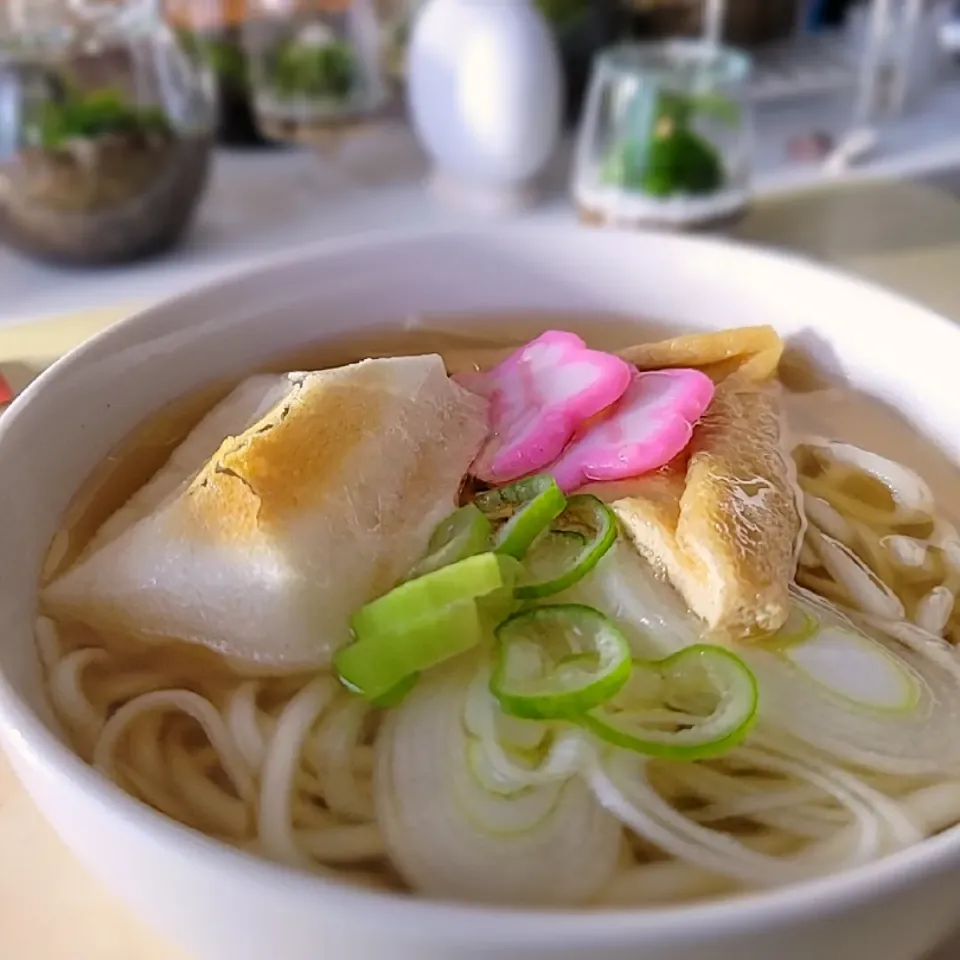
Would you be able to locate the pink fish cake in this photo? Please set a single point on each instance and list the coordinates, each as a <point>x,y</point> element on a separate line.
<point>539,397</point>
<point>652,423</point>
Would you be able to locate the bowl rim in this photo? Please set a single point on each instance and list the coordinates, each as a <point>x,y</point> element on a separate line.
<point>35,745</point>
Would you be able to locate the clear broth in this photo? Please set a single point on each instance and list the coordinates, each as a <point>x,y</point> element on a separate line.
<point>813,405</point>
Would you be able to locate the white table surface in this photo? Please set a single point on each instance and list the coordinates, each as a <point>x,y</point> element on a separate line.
<point>268,203</point>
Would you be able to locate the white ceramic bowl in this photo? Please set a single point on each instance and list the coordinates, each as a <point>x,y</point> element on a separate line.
<point>223,905</point>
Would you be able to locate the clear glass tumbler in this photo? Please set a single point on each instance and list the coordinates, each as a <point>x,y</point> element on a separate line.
<point>666,136</point>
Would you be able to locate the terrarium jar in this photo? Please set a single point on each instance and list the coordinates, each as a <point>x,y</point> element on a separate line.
<point>666,137</point>
<point>105,131</point>
<point>212,31</point>
<point>315,65</point>
<point>396,17</point>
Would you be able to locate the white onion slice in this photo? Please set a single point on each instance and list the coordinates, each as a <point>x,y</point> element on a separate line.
<point>861,696</point>
<point>852,667</point>
<point>649,611</point>
<point>452,838</point>
<point>504,767</point>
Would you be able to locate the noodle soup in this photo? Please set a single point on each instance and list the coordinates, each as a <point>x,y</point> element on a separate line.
<point>622,714</point>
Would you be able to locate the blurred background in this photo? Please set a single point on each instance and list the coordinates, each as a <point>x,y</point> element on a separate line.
<point>145,144</point>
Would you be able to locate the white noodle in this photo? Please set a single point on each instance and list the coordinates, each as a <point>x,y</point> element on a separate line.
<point>908,490</point>
<point>907,551</point>
<point>936,807</point>
<point>827,519</point>
<point>343,843</point>
<point>69,700</point>
<point>332,748</point>
<point>158,796</point>
<point>622,785</point>
<point>177,701</point>
<point>808,556</point>
<point>126,686</point>
<point>666,881</point>
<point>243,720</point>
<point>934,609</point>
<point>868,591</point>
<point>145,747</point>
<point>228,815</point>
<point>275,820</point>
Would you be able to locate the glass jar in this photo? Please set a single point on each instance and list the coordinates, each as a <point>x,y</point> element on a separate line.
<point>666,137</point>
<point>212,31</point>
<point>105,132</point>
<point>314,65</point>
<point>583,28</point>
<point>397,18</point>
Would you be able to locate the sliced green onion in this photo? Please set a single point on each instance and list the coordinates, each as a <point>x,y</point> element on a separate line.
<point>376,666</point>
<point>531,506</point>
<point>423,622</point>
<point>558,661</point>
<point>700,702</point>
<point>465,533</point>
<point>560,558</point>
<point>427,595</point>
<point>499,605</point>
<point>395,695</point>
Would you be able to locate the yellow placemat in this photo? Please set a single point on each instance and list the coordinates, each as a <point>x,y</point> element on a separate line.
<point>50,907</point>
<point>27,349</point>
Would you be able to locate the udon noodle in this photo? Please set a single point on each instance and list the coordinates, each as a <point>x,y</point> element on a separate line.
<point>288,765</point>
<point>876,540</point>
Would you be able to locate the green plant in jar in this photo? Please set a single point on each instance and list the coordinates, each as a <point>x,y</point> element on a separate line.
<point>315,64</point>
<point>673,159</point>
<point>224,57</point>
<point>562,13</point>
<point>89,116</point>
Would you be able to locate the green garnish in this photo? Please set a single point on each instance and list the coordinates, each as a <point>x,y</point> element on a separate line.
<point>377,664</point>
<point>395,696</point>
<point>558,662</point>
<point>529,506</point>
<point>465,533</point>
<point>561,557</point>
<point>467,580</point>
<point>697,703</point>
<point>421,623</point>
